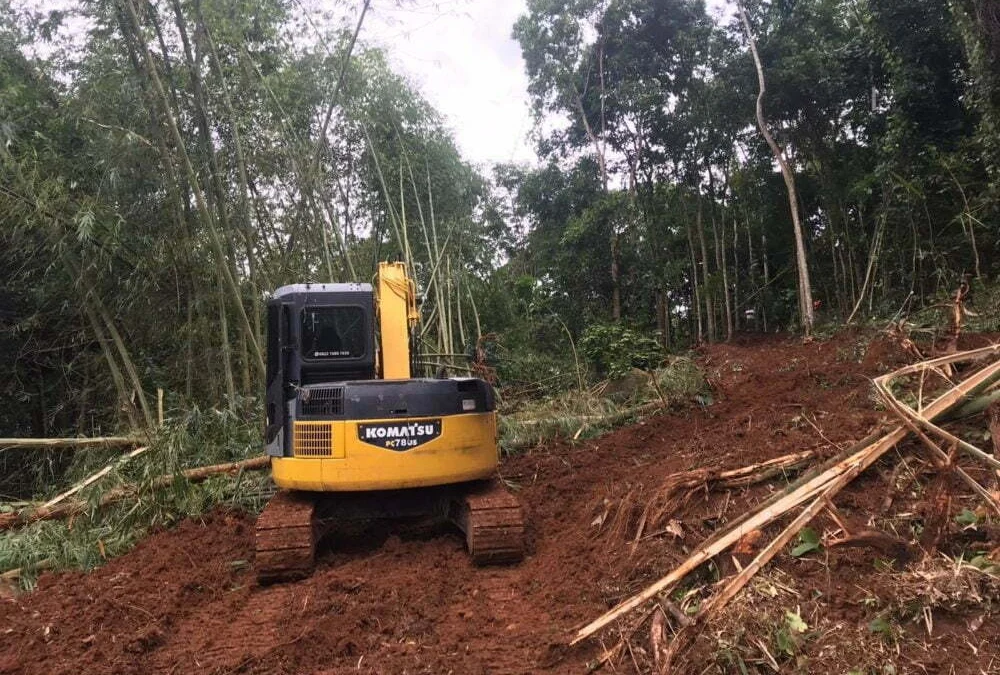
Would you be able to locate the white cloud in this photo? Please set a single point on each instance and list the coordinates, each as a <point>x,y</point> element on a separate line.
<point>461,57</point>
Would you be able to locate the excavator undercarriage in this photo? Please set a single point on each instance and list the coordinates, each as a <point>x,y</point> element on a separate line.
<point>293,523</point>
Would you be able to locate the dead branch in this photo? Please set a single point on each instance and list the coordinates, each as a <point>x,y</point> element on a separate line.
<point>890,492</point>
<point>888,545</point>
<point>657,636</point>
<point>66,509</point>
<point>677,487</point>
<point>956,311</point>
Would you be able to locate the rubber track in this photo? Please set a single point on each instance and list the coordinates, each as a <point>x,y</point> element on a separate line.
<point>493,521</point>
<point>285,538</point>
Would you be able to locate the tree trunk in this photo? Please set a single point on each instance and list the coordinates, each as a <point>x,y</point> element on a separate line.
<point>616,282</point>
<point>695,293</point>
<point>805,288</point>
<point>705,274</point>
<point>720,263</point>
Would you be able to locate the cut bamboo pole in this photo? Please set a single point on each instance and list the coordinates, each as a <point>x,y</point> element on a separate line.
<point>11,520</point>
<point>18,572</point>
<point>737,583</point>
<point>90,480</point>
<point>940,455</point>
<point>48,443</point>
<point>853,465</point>
<point>915,419</point>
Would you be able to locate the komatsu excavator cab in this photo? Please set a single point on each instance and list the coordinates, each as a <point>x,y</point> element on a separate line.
<point>352,435</point>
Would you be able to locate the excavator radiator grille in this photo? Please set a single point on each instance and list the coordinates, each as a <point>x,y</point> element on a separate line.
<point>322,401</point>
<point>313,439</point>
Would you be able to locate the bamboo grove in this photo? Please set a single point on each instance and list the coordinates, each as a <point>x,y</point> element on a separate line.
<point>175,161</point>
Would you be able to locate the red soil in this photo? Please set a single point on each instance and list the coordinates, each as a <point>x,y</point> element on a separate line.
<point>396,599</point>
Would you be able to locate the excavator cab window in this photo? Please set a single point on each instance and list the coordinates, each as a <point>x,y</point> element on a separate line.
<point>334,332</point>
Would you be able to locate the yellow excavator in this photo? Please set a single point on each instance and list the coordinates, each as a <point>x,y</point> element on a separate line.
<point>352,435</point>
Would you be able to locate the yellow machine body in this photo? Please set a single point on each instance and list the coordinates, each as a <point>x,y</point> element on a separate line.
<point>330,457</point>
<point>353,435</point>
<point>397,316</point>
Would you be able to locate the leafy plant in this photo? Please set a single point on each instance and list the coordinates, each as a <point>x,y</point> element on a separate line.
<point>614,349</point>
<point>967,518</point>
<point>789,635</point>
<point>808,541</point>
<point>884,628</point>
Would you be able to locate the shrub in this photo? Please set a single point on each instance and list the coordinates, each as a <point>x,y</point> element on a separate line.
<point>614,349</point>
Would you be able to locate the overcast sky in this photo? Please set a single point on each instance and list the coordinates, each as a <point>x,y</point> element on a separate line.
<point>461,57</point>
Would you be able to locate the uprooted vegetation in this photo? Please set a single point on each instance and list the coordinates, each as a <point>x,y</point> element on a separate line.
<point>106,500</point>
<point>590,411</point>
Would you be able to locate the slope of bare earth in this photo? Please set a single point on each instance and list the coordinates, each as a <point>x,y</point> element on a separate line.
<point>403,599</point>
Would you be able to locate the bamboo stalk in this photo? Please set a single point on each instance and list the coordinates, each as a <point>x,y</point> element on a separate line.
<point>939,454</point>
<point>18,572</point>
<point>848,467</point>
<point>913,418</point>
<point>737,583</point>
<point>51,443</point>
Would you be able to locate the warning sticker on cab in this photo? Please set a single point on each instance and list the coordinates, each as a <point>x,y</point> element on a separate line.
<point>399,435</point>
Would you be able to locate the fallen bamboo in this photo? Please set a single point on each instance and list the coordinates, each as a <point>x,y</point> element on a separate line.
<point>64,510</point>
<point>973,407</point>
<point>712,607</point>
<point>916,422</point>
<point>54,443</point>
<point>854,464</point>
<point>756,473</point>
<point>18,572</point>
<point>940,455</point>
<point>737,583</point>
<point>677,486</point>
<point>90,480</point>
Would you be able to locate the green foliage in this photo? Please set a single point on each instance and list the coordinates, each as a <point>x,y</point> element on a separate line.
<point>583,414</point>
<point>191,439</point>
<point>614,349</point>
<point>808,541</point>
<point>789,636</point>
<point>967,517</point>
<point>884,628</point>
